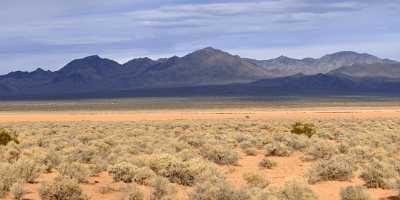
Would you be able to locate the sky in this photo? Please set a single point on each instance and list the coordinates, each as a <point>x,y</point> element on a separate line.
<point>50,33</point>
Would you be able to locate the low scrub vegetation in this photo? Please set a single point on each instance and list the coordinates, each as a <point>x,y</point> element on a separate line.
<point>355,193</point>
<point>163,160</point>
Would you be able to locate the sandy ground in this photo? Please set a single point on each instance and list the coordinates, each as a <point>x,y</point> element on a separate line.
<point>203,114</point>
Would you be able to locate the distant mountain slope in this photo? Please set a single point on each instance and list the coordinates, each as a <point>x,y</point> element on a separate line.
<point>208,68</point>
<point>285,66</point>
<point>203,67</point>
<point>388,70</point>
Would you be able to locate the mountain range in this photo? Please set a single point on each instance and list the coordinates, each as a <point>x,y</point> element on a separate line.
<point>207,71</point>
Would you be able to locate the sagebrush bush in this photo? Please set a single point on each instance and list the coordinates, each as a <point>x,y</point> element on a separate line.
<point>61,188</point>
<point>17,191</point>
<point>320,149</point>
<point>250,151</point>
<point>278,149</point>
<point>7,177</point>
<point>135,193</point>
<point>268,163</point>
<point>220,154</point>
<point>217,190</point>
<point>26,169</point>
<point>379,174</point>
<point>338,168</point>
<point>74,170</point>
<point>123,171</point>
<point>162,189</point>
<point>307,129</point>
<point>144,175</point>
<point>254,179</point>
<point>296,189</point>
<point>355,193</point>
<point>7,136</point>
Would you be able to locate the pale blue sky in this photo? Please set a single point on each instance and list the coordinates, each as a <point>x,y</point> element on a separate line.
<point>49,33</point>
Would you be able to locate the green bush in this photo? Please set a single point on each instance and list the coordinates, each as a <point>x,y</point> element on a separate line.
<point>338,168</point>
<point>307,129</point>
<point>7,136</point>
<point>61,188</point>
<point>355,193</point>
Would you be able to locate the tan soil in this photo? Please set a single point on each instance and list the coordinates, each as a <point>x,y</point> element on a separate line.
<point>196,115</point>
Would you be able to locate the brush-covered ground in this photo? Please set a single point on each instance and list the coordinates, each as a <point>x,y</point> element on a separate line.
<point>202,159</point>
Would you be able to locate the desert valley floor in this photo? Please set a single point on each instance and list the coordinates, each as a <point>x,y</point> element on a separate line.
<point>228,143</point>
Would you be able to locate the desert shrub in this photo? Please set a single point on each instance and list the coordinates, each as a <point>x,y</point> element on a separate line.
<point>320,149</point>
<point>74,170</point>
<point>48,160</point>
<point>135,194</point>
<point>268,163</point>
<point>26,169</point>
<point>379,174</point>
<point>216,190</point>
<point>162,189</point>
<point>173,168</point>
<point>307,129</point>
<point>11,152</point>
<point>220,154</point>
<point>17,191</point>
<point>355,193</point>
<point>61,188</point>
<point>296,190</point>
<point>7,178</point>
<point>144,175</point>
<point>122,171</point>
<point>7,136</point>
<point>254,179</point>
<point>278,149</point>
<point>339,168</point>
<point>250,151</point>
<point>104,189</point>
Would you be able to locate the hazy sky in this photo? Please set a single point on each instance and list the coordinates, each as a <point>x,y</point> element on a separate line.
<point>49,33</point>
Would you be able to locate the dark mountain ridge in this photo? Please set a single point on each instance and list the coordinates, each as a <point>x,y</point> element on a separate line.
<point>210,69</point>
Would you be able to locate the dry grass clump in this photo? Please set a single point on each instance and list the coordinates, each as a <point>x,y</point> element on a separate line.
<point>307,129</point>
<point>282,144</point>
<point>355,193</point>
<point>338,168</point>
<point>268,163</point>
<point>254,179</point>
<point>380,174</point>
<point>61,189</point>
